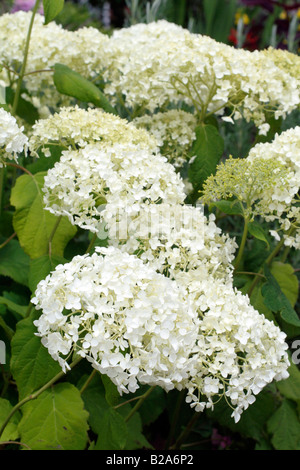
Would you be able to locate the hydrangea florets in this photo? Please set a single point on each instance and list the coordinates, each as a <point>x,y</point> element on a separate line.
<point>12,139</point>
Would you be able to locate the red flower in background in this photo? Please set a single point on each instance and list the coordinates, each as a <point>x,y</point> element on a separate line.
<point>251,41</point>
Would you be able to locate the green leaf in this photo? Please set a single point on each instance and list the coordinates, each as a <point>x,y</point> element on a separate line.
<point>112,395</point>
<point>95,403</point>
<point>71,83</point>
<point>207,150</point>
<point>32,223</point>
<point>52,8</point>
<point>11,432</point>
<point>284,274</point>
<point>14,307</point>
<point>290,387</point>
<point>229,207</point>
<point>284,426</point>
<point>14,263</point>
<point>135,437</point>
<point>31,365</point>
<point>56,420</point>
<point>258,232</point>
<point>41,267</point>
<point>113,431</point>
<point>276,300</point>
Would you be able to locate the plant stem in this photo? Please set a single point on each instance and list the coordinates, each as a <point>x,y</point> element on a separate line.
<point>242,245</point>
<point>91,243</point>
<point>88,381</point>
<point>139,403</point>
<point>175,418</point>
<point>53,233</point>
<point>2,178</point>
<point>26,50</point>
<point>8,240</point>
<point>186,432</point>
<point>35,395</point>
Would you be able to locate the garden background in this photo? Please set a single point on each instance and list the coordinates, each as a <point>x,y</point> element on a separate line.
<point>44,408</point>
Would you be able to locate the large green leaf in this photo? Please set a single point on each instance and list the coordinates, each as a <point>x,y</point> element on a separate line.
<point>31,365</point>
<point>11,432</point>
<point>290,387</point>
<point>206,153</point>
<point>14,262</point>
<point>258,232</point>
<point>113,431</point>
<point>284,426</point>
<point>112,395</point>
<point>277,301</point>
<point>70,83</point>
<point>135,436</point>
<point>52,8</point>
<point>32,223</point>
<point>284,274</point>
<point>56,420</point>
<point>13,306</point>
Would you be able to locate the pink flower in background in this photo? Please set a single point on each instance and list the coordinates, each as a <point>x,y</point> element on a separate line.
<point>25,5</point>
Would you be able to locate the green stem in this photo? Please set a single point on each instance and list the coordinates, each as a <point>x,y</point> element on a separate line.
<point>2,178</point>
<point>175,418</point>
<point>58,220</point>
<point>139,403</point>
<point>94,238</point>
<point>183,436</point>
<point>242,245</point>
<point>24,64</point>
<point>88,381</point>
<point>35,395</point>
<point>8,240</point>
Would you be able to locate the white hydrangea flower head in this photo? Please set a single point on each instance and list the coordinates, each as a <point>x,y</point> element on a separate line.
<point>130,322</point>
<point>140,327</point>
<point>261,187</point>
<point>172,238</point>
<point>160,63</point>
<point>12,139</point>
<point>74,127</point>
<point>238,351</point>
<point>174,131</point>
<point>80,50</point>
<point>86,180</point>
<point>284,149</point>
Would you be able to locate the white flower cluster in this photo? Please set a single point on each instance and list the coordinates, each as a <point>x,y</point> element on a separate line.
<point>80,50</point>
<point>85,180</point>
<point>12,139</point>
<point>160,63</point>
<point>74,127</point>
<point>260,187</point>
<point>173,238</point>
<point>174,131</point>
<point>139,326</point>
<point>130,322</point>
<point>108,162</point>
<point>284,149</point>
<point>238,351</point>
